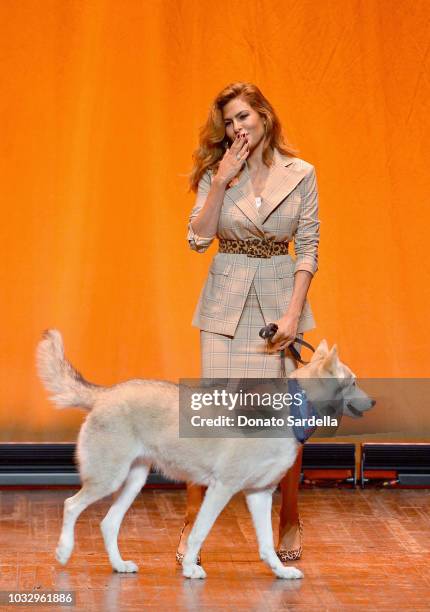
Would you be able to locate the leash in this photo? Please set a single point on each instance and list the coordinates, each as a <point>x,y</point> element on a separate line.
<point>306,409</point>
<point>270,330</point>
<point>295,352</point>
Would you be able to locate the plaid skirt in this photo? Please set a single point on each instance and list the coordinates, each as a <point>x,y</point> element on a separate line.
<point>245,355</point>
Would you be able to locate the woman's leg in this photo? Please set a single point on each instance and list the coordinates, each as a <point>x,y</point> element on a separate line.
<point>289,537</point>
<point>195,494</point>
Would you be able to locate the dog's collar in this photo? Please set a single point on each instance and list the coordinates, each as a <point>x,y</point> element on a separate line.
<point>302,412</point>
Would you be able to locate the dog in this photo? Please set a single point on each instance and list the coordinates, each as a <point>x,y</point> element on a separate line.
<point>133,425</point>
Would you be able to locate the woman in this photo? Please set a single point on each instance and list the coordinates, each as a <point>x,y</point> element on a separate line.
<point>255,197</point>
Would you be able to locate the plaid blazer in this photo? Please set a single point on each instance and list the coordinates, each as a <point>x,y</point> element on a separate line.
<point>289,211</point>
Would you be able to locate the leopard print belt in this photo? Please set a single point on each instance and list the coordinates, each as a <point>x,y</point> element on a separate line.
<point>256,247</point>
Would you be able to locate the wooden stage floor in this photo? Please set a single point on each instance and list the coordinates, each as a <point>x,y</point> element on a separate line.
<point>364,550</point>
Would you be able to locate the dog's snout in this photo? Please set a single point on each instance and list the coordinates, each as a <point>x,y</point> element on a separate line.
<point>373,402</point>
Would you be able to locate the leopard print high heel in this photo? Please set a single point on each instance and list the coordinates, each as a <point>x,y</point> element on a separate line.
<point>295,553</point>
<point>180,556</point>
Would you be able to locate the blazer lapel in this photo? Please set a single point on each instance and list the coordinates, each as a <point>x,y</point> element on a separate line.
<point>283,178</point>
<point>242,195</point>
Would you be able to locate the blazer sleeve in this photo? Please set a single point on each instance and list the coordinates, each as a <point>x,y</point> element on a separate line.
<point>306,238</point>
<point>196,242</point>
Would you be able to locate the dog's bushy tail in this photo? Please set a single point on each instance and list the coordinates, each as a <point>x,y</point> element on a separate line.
<point>59,376</point>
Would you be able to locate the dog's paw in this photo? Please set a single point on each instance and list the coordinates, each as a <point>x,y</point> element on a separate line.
<point>193,571</point>
<point>126,567</point>
<point>289,573</point>
<point>62,553</point>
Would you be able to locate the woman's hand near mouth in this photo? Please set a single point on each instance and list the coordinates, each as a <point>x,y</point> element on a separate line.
<point>233,159</point>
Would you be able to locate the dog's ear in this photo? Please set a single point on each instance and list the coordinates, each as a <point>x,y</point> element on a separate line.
<point>320,351</point>
<point>331,362</point>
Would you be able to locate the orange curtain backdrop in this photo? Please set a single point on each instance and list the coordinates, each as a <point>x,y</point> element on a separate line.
<point>101,103</point>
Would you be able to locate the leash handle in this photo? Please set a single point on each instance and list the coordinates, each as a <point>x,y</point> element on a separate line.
<point>270,330</point>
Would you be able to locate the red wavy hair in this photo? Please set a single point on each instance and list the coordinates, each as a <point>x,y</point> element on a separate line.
<point>212,137</point>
